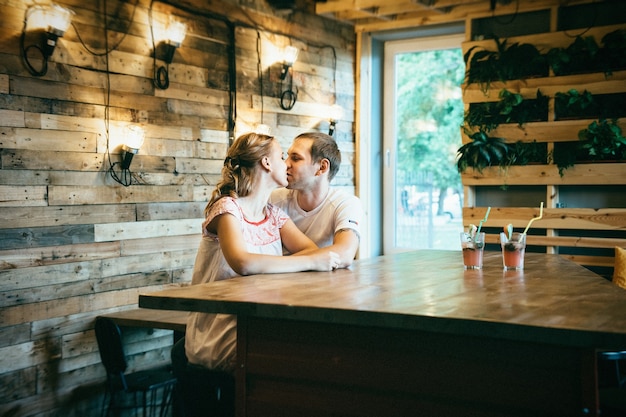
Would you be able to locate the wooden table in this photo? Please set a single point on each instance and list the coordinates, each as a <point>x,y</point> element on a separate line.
<point>415,334</point>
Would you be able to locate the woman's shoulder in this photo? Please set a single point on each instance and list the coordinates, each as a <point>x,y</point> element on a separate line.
<point>276,213</point>
<point>225,205</point>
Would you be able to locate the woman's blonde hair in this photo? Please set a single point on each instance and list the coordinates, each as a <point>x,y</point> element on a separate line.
<point>241,161</point>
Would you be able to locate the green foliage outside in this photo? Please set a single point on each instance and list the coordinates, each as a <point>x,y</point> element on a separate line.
<point>430,114</point>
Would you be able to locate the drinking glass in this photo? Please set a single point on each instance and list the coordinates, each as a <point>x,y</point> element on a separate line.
<point>473,247</point>
<point>513,250</point>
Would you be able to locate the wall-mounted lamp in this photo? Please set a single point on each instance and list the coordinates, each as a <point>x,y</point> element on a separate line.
<point>54,20</point>
<point>290,54</point>
<point>176,32</point>
<point>336,113</point>
<point>263,129</point>
<point>133,139</point>
<point>288,97</point>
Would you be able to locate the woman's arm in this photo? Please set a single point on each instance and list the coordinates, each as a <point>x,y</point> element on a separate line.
<point>294,240</point>
<point>246,263</point>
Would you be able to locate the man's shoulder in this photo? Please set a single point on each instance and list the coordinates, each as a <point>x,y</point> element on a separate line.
<point>338,195</point>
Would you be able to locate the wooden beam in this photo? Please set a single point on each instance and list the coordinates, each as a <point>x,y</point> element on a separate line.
<point>379,15</point>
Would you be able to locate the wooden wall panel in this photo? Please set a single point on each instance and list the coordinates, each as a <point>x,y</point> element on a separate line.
<point>12,217</point>
<point>74,243</point>
<point>69,195</point>
<point>4,84</point>
<point>45,236</point>
<point>51,255</point>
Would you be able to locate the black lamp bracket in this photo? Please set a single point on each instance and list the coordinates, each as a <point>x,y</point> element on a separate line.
<point>331,127</point>
<point>165,52</point>
<point>288,97</point>
<point>45,51</point>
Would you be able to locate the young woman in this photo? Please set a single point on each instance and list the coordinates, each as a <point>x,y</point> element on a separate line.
<point>243,234</point>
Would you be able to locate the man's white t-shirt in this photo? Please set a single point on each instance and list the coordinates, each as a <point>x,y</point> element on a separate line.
<point>338,211</point>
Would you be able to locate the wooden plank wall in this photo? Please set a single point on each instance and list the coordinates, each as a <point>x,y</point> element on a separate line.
<point>75,244</point>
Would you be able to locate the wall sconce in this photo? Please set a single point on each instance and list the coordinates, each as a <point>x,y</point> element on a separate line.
<point>290,54</point>
<point>176,32</point>
<point>288,97</point>
<point>54,20</point>
<point>263,129</point>
<point>133,139</point>
<point>336,113</point>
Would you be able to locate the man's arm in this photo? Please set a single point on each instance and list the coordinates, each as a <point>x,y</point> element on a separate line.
<point>345,244</point>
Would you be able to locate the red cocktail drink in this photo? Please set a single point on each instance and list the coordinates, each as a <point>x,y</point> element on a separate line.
<point>473,247</point>
<point>513,250</point>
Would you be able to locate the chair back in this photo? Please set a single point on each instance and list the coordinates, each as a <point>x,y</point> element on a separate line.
<point>110,345</point>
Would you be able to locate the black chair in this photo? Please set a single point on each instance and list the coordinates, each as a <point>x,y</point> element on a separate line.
<point>201,392</point>
<point>122,389</point>
<point>612,383</point>
<point>611,369</point>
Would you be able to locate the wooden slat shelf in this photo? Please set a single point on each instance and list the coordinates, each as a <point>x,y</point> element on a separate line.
<point>544,41</point>
<point>553,243</point>
<point>595,83</point>
<point>551,132</point>
<point>553,218</point>
<point>597,230</point>
<point>609,173</point>
<point>566,241</point>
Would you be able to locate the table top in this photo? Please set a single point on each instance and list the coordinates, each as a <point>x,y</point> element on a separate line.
<point>156,319</point>
<point>553,300</point>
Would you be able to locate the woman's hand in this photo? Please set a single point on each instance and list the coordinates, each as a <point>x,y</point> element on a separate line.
<point>325,260</point>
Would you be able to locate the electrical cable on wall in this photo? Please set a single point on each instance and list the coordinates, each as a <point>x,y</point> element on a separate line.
<point>259,71</point>
<point>232,79</point>
<point>232,70</point>
<point>161,77</point>
<point>504,22</point>
<point>592,24</point>
<point>289,95</point>
<point>126,177</point>
<point>106,49</point>
<point>25,51</point>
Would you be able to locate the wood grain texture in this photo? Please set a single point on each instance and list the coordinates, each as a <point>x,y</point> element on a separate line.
<point>74,244</point>
<point>397,331</point>
<point>143,317</point>
<point>553,299</point>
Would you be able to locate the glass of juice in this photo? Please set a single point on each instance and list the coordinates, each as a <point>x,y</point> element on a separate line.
<point>513,250</point>
<point>473,247</point>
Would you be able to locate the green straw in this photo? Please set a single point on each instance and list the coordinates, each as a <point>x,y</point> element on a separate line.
<point>483,220</point>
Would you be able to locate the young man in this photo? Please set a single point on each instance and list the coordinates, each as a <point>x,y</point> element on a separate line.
<point>328,216</point>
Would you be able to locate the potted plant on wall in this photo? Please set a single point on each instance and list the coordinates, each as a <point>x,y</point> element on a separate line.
<point>601,141</point>
<point>507,62</point>
<point>493,151</point>
<point>483,151</point>
<point>585,56</point>
<point>613,53</point>
<point>511,108</point>
<point>525,153</point>
<point>574,104</point>
<point>581,56</point>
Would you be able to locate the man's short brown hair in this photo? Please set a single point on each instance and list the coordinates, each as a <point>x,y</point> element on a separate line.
<point>324,147</point>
